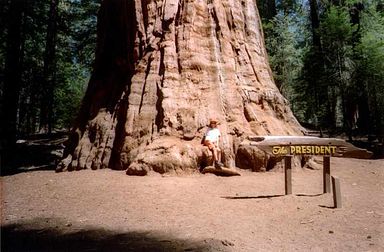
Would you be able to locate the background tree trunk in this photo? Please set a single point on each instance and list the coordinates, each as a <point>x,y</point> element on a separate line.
<point>315,23</point>
<point>162,69</point>
<point>12,79</point>
<point>267,9</point>
<point>49,72</point>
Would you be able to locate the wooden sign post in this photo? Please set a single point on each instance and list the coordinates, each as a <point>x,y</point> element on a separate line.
<point>288,146</point>
<point>288,174</point>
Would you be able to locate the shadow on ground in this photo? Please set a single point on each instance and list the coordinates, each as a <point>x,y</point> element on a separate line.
<point>309,195</point>
<point>269,196</point>
<point>253,197</point>
<point>33,237</point>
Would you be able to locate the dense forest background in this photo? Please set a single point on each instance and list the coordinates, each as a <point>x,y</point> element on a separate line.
<point>327,58</point>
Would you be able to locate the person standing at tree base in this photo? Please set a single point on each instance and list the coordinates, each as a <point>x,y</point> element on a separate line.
<point>212,140</point>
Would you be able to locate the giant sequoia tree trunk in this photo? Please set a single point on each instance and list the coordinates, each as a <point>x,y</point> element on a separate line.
<point>162,69</point>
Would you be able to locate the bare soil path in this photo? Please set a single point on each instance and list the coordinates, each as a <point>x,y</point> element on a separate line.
<point>106,210</point>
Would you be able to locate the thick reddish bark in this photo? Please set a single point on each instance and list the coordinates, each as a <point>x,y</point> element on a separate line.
<point>162,69</point>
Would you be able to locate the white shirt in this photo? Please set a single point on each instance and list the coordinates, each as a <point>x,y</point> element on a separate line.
<point>212,135</point>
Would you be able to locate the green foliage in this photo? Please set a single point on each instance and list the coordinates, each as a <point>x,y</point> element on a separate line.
<point>81,17</point>
<point>68,94</point>
<point>339,79</point>
<point>370,65</point>
<point>34,34</point>
<point>310,90</point>
<point>75,50</point>
<point>286,54</point>
<point>285,39</point>
<point>336,36</point>
<point>75,47</point>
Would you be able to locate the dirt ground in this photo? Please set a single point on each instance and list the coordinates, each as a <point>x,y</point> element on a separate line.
<point>107,210</point>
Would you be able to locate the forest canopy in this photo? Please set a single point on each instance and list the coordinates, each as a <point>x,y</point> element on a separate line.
<point>327,59</point>
<point>47,47</point>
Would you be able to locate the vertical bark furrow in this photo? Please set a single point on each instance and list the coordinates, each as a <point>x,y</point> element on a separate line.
<point>145,81</point>
<point>251,64</point>
<point>111,157</point>
<point>178,33</point>
<point>159,121</point>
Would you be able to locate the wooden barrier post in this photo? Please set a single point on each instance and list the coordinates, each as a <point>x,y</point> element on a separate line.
<point>326,174</point>
<point>288,174</point>
<point>336,192</point>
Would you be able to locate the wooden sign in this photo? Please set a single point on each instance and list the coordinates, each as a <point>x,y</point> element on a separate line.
<point>288,146</point>
<point>306,145</point>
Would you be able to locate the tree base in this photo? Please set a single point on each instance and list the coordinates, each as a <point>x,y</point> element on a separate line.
<point>169,155</point>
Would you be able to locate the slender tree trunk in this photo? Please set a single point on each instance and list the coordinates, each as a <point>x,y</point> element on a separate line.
<point>49,72</point>
<point>322,90</point>
<point>12,78</point>
<point>267,9</point>
<point>162,69</point>
<point>315,23</point>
